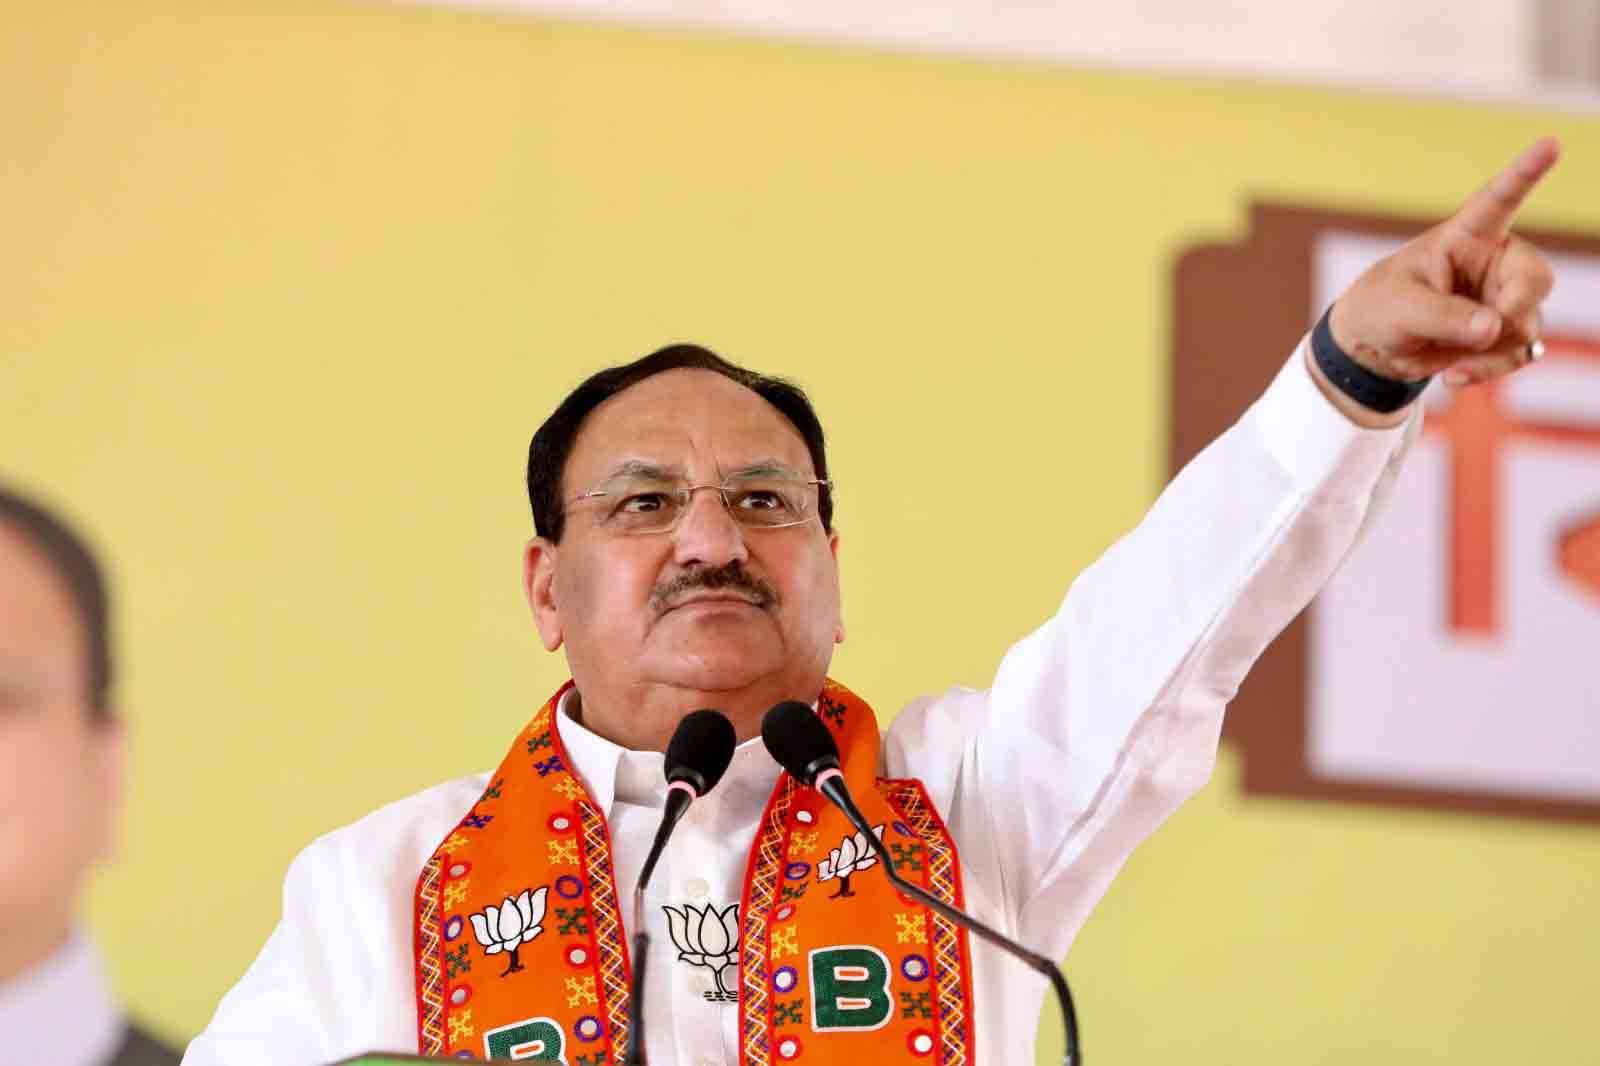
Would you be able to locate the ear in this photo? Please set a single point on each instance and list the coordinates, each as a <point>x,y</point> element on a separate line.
<point>108,768</point>
<point>833,546</point>
<point>539,583</point>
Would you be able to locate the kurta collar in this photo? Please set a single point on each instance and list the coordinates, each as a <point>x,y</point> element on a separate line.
<point>62,1012</point>
<point>614,774</point>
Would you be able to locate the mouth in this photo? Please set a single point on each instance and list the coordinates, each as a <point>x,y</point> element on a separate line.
<point>719,599</point>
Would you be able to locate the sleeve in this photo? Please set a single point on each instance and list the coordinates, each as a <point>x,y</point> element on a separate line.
<point>306,999</point>
<point>1103,721</point>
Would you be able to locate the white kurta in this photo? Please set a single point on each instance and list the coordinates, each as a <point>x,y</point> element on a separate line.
<point>1098,725</point>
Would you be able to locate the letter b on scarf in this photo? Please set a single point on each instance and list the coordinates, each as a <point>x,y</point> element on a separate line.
<point>533,1040</point>
<point>849,989</point>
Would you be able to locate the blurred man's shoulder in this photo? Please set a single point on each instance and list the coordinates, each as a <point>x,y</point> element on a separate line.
<point>141,1048</point>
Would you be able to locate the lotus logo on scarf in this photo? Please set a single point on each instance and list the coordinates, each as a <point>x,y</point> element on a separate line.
<point>851,857</point>
<point>710,938</point>
<point>510,925</point>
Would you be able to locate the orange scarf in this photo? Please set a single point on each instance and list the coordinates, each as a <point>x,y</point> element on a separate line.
<point>518,906</point>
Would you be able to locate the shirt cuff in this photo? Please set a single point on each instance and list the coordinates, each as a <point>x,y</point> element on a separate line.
<point>1322,450</point>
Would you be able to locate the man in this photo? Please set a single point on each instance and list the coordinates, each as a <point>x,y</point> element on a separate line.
<point>61,748</point>
<point>685,558</point>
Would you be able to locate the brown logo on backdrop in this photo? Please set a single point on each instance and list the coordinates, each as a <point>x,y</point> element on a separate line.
<point>1236,308</point>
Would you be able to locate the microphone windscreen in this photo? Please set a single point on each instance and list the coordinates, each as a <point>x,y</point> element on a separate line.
<point>799,741</point>
<point>700,750</point>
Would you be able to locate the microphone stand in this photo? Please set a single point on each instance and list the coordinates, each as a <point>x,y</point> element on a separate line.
<point>679,796</point>
<point>831,784</point>
<point>641,951</point>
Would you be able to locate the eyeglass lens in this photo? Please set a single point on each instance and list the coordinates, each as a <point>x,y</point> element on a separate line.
<point>649,505</point>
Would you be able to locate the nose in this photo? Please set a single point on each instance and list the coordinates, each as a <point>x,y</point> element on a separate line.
<point>707,535</point>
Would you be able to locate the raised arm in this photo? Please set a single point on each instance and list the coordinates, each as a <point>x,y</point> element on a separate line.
<point>1100,723</point>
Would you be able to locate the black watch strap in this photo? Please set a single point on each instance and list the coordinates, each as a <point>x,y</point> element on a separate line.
<point>1372,391</point>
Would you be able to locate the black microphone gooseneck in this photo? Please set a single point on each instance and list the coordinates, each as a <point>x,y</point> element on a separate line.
<point>804,747</point>
<point>697,756</point>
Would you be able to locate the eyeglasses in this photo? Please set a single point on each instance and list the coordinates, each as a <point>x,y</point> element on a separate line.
<point>638,503</point>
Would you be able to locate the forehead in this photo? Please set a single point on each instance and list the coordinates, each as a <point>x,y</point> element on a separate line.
<point>695,419</point>
<point>39,629</point>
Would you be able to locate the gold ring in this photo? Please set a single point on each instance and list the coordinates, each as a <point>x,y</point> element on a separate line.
<point>1535,350</point>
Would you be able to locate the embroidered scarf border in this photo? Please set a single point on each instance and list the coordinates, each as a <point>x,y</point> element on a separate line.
<point>443,1022</point>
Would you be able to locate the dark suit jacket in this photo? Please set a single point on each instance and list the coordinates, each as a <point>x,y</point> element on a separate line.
<point>139,1048</point>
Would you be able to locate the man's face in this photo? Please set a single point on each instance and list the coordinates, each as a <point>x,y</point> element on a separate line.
<point>59,766</point>
<point>642,630</point>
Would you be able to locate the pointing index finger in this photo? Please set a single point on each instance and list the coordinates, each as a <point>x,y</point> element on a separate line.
<point>1488,212</point>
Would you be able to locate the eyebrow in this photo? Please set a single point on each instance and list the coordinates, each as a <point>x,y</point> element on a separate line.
<point>764,467</point>
<point>644,468</point>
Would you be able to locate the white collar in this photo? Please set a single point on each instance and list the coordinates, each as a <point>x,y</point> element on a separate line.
<point>614,774</point>
<point>62,1011</point>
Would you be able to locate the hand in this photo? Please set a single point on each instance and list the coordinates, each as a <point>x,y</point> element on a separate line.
<point>1463,298</point>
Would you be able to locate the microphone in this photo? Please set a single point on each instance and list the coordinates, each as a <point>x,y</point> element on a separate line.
<point>697,756</point>
<point>803,746</point>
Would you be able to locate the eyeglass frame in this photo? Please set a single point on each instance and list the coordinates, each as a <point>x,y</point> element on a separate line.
<point>685,496</point>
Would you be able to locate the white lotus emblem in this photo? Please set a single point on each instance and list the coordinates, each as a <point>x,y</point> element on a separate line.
<point>510,925</point>
<point>851,857</point>
<point>710,938</point>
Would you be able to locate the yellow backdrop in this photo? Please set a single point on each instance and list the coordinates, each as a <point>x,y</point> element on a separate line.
<point>287,286</point>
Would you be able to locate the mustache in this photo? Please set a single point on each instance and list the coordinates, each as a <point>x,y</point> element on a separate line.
<point>730,575</point>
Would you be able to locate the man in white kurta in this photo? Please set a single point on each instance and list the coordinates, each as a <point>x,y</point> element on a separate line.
<point>1097,725</point>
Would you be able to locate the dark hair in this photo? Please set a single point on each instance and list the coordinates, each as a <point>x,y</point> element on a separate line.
<point>69,555</point>
<point>552,444</point>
